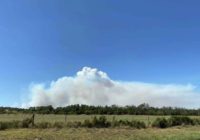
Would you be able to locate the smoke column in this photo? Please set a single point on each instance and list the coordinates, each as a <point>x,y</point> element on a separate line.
<point>93,87</point>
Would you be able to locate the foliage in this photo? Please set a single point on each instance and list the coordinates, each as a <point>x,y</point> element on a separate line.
<point>180,120</point>
<point>12,124</point>
<point>143,109</point>
<point>3,125</point>
<point>26,123</point>
<point>161,123</point>
<point>174,121</point>
<point>102,122</point>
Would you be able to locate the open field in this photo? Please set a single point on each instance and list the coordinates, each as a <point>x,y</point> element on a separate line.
<point>71,118</point>
<point>177,133</point>
<point>124,133</point>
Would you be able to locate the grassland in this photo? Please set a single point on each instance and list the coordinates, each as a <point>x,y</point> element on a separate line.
<point>71,118</point>
<point>175,133</point>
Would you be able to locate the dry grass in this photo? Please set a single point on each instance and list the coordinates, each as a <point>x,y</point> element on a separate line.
<point>184,133</point>
<point>178,133</point>
<point>71,118</point>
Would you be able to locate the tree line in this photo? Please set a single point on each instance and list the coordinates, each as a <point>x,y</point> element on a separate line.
<point>143,109</point>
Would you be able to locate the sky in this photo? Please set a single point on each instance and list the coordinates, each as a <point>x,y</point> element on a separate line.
<point>150,42</point>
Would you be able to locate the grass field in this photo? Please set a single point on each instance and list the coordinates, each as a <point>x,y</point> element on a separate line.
<point>70,118</point>
<point>175,133</point>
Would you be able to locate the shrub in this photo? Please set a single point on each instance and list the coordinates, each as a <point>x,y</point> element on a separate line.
<point>100,122</point>
<point>196,121</point>
<point>26,123</point>
<point>137,124</point>
<point>12,124</point>
<point>15,124</point>
<point>133,124</point>
<point>161,123</point>
<point>3,125</point>
<point>180,120</point>
<point>87,123</point>
<point>114,122</point>
<point>174,121</point>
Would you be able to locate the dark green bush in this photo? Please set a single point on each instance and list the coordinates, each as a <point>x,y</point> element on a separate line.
<point>100,122</point>
<point>174,121</point>
<point>161,123</point>
<point>180,120</point>
<point>3,125</point>
<point>133,123</point>
<point>137,124</point>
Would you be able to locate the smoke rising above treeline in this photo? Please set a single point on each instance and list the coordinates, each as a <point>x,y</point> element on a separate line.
<point>93,87</point>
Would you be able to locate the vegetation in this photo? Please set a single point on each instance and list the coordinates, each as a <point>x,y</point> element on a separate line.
<point>174,121</point>
<point>54,127</point>
<point>143,109</point>
<point>95,122</point>
<point>174,133</point>
<point>109,122</point>
<point>161,123</point>
<point>102,122</point>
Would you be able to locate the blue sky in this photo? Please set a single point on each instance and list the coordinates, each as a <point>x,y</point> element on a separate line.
<point>148,41</point>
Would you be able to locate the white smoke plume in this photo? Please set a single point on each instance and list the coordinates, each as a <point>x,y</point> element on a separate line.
<point>93,87</point>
